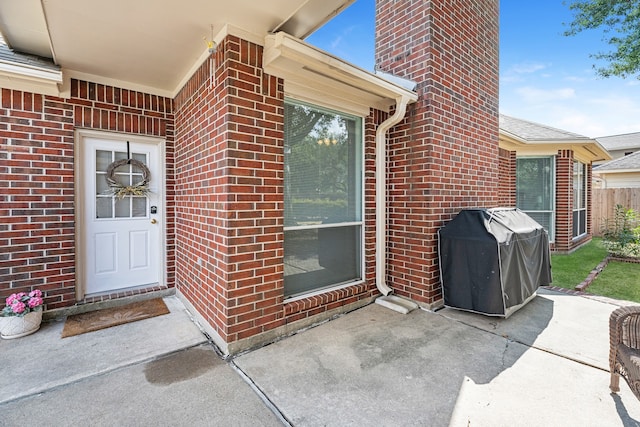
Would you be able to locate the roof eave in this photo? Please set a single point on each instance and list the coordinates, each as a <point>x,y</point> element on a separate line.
<point>586,149</point>
<point>305,20</point>
<point>33,79</point>
<point>609,171</point>
<point>309,71</point>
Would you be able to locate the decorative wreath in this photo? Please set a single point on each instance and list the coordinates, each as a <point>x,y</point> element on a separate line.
<point>138,189</point>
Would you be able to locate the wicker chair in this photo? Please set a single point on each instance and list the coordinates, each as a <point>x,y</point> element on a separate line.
<point>624,356</point>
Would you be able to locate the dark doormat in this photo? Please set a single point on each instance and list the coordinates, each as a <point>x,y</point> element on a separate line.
<point>95,320</point>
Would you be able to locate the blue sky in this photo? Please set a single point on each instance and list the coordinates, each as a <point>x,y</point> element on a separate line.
<point>545,77</point>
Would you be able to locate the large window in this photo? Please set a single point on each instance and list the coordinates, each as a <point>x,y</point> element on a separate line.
<point>535,190</point>
<point>323,199</point>
<point>579,199</point>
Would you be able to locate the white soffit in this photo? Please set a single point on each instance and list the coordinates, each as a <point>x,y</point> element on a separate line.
<point>305,19</point>
<point>147,43</point>
<point>313,75</point>
<point>588,150</point>
<point>24,27</point>
<point>592,152</point>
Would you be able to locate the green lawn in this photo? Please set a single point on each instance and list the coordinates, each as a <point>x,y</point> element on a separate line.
<point>620,280</point>
<point>570,270</point>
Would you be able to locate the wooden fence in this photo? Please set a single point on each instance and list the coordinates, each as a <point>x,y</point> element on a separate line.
<point>604,201</point>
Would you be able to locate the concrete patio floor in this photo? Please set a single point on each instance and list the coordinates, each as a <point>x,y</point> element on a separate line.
<point>544,366</point>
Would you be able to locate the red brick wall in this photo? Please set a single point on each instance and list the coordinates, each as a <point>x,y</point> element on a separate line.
<point>37,223</point>
<point>507,178</point>
<point>589,200</point>
<point>444,156</point>
<point>229,172</point>
<point>230,200</point>
<point>564,200</point>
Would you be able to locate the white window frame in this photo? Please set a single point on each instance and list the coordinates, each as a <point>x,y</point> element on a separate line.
<point>361,223</point>
<point>582,187</point>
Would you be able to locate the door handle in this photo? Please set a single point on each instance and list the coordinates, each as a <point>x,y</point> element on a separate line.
<point>153,221</point>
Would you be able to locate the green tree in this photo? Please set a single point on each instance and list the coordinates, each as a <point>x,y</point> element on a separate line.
<point>620,22</point>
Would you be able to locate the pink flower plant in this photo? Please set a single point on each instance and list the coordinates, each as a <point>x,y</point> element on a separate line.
<point>21,303</point>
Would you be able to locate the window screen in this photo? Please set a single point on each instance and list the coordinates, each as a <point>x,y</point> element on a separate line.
<point>535,191</point>
<point>323,198</point>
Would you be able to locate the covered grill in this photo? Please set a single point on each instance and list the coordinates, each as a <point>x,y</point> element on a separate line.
<point>492,260</point>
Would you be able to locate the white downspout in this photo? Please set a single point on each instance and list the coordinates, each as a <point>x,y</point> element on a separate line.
<point>381,195</point>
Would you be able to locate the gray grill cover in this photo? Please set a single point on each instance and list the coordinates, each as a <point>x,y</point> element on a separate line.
<point>492,260</point>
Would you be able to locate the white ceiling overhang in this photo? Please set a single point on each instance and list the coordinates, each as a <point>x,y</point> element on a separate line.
<point>585,150</point>
<point>148,45</point>
<point>313,75</point>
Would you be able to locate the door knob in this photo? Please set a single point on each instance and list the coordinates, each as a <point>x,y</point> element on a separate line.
<point>153,221</point>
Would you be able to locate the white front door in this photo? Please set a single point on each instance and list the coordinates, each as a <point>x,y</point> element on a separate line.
<point>121,242</point>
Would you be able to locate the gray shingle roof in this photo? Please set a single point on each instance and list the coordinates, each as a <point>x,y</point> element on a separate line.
<point>530,131</point>
<point>631,161</point>
<point>9,55</point>
<point>620,142</point>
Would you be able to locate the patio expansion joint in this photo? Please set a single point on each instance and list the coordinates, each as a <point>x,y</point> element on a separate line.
<point>533,346</point>
<point>52,387</point>
<point>261,394</point>
<point>572,359</point>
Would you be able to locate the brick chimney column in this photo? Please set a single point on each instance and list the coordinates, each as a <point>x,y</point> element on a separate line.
<point>444,156</point>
